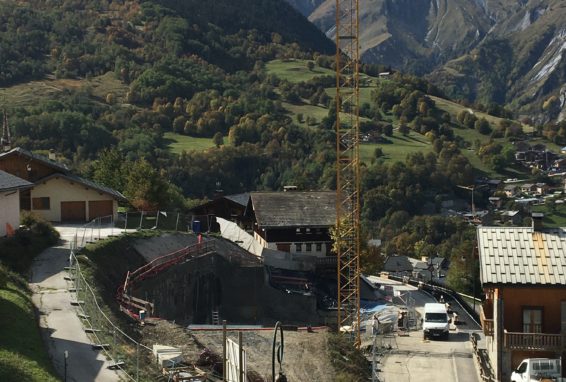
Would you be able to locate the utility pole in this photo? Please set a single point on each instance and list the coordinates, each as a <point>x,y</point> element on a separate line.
<point>472,188</point>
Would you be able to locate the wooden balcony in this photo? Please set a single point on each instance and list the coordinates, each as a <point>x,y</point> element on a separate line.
<point>486,317</point>
<point>534,341</point>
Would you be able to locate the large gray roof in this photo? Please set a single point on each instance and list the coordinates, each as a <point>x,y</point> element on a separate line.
<point>522,256</point>
<point>294,209</point>
<point>9,182</point>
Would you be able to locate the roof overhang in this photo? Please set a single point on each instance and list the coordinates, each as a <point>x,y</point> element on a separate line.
<point>105,190</point>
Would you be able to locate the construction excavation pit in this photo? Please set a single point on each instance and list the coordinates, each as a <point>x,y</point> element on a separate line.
<point>201,280</point>
<point>174,292</point>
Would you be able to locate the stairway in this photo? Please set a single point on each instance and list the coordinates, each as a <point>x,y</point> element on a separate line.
<point>215,317</point>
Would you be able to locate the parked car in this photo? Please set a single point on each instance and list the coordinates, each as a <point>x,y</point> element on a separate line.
<point>538,369</point>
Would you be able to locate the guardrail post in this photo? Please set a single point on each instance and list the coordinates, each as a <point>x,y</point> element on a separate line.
<point>240,358</point>
<point>137,361</point>
<point>114,345</point>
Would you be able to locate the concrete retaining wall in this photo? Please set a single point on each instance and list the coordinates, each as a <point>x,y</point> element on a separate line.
<point>189,292</point>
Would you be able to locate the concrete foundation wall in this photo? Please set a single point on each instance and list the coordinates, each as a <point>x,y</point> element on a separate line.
<point>189,292</point>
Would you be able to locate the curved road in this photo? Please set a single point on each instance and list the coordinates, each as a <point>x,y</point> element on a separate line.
<point>413,359</point>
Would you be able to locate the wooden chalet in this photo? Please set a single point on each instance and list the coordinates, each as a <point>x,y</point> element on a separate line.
<point>295,222</point>
<point>229,207</point>
<point>523,274</point>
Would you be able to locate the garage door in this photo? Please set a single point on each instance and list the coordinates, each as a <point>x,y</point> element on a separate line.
<point>99,208</point>
<point>73,211</point>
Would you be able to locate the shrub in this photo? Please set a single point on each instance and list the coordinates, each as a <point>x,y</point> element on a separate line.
<point>39,226</point>
<point>35,235</point>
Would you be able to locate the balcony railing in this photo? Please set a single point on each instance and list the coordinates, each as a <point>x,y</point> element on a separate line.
<point>534,341</point>
<point>486,317</point>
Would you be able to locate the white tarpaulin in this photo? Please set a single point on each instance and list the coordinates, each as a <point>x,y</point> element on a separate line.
<point>230,230</point>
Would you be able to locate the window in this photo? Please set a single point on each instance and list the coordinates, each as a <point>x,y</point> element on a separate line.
<point>298,247</point>
<point>563,315</point>
<point>308,247</point>
<point>308,230</point>
<point>318,247</point>
<point>41,204</point>
<point>532,320</point>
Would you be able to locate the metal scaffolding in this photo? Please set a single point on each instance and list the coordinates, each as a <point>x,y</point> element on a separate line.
<point>348,165</point>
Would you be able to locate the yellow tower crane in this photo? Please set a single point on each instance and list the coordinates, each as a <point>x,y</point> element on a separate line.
<point>348,165</point>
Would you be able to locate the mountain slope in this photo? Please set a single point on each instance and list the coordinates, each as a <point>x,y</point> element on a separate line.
<point>504,51</point>
<point>81,37</point>
<point>521,62</point>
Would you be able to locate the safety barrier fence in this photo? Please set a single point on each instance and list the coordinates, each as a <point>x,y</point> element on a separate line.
<point>141,220</point>
<point>124,353</point>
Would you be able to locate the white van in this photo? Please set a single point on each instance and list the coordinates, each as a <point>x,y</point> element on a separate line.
<point>536,369</point>
<point>435,321</point>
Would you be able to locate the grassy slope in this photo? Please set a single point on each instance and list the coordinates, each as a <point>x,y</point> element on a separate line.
<point>22,355</point>
<point>296,70</point>
<point>553,219</point>
<point>30,93</point>
<point>178,143</point>
<point>399,147</point>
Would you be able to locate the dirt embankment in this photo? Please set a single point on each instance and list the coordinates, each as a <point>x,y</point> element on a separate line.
<point>306,355</point>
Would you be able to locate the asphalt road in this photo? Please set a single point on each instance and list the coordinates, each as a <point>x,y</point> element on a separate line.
<point>411,358</point>
<point>61,328</point>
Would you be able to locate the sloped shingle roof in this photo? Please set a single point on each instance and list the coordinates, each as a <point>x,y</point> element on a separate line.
<point>397,264</point>
<point>40,158</point>
<point>87,183</point>
<point>241,199</point>
<point>294,209</point>
<point>9,182</point>
<point>521,255</point>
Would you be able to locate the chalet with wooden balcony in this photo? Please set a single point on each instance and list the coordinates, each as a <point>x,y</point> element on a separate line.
<point>523,274</point>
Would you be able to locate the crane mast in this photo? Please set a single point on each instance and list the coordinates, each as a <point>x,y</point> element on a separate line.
<point>348,165</point>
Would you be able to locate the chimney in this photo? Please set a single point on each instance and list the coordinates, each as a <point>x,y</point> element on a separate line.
<point>52,155</point>
<point>537,221</point>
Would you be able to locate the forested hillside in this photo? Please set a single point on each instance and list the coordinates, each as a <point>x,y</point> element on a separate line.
<point>112,86</point>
